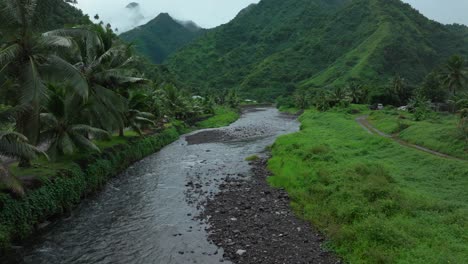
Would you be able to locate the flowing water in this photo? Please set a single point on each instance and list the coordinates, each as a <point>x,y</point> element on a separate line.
<point>146,214</point>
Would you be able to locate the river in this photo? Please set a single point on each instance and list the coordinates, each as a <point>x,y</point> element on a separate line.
<point>148,213</point>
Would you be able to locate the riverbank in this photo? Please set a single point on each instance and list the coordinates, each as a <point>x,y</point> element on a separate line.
<point>55,188</point>
<point>254,223</point>
<point>376,200</point>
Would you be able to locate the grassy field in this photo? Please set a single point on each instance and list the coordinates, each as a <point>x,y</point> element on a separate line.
<point>439,132</point>
<point>223,117</point>
<point>377,201</point>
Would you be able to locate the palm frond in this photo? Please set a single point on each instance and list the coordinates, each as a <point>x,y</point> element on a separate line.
<point>84,143</point>
<point>89,42</point>
<point>15,145</point>
<point>85,129</point>
<point>59,70</point>
<point>9,55</point>
<point>66,144</point>
<point>32,86</point>
<point>142,120</point>
<point>51,41</point>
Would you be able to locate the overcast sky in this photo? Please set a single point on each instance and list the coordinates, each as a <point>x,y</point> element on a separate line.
<point>211,13</point>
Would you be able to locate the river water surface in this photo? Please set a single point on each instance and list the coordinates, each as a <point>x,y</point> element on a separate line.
<point>146,214</point>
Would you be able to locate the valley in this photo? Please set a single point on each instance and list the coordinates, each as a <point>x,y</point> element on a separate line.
<point>299,131</point>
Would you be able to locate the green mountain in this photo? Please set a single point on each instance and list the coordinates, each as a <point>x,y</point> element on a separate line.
<point>53,14</point>
<point>273,47</point>
<point>162,36</point>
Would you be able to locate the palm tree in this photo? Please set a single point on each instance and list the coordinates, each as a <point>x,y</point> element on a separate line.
<point>29,60</point>
<point>14,145</point>
<point>397,88</point>
<point>455,75</point>
<point>135,118</point>
<point>105,65</point>
<point>357,92</point>
<point>62,128</point>
<point>177,104</point>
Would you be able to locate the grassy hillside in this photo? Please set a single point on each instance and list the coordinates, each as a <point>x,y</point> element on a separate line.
<point>378,201</point>
<point>276,46</point>
<point>161,37</point>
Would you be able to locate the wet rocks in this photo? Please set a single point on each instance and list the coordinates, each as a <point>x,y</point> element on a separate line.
<point>253,223</point>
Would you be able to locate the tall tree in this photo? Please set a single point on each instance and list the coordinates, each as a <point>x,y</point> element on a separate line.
<point>105,65</point>
<point>455,75</point>
<point>29,59</point>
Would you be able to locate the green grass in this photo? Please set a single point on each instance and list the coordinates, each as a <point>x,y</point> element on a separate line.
<point>439,132</point>
<point>377,201</point>
<point>252,158</point>
<point>223,116</point>
<point>289,110</point>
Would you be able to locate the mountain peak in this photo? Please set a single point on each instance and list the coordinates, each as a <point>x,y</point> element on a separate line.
<point>133,5</point>
<point>162,36</point>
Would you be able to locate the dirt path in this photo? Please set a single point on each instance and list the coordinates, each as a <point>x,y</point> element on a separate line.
<point>364,123</point>
<point>254,224</point>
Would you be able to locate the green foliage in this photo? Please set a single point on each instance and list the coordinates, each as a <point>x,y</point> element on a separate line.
<point>252,158</point>
<point>433,88</point>
<point>161,37</point>
<point>420,107</point>
<point>378,201</point>
<point>455,76</point>
<point>65,186</point>
<point>318,43</point>
<point>223,116</point>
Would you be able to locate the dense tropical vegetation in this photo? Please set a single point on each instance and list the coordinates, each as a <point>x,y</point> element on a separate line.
<point>274,47</point>
<point>64,89</point>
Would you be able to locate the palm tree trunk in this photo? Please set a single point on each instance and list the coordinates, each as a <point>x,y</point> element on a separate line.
<point>9,180</point>
<point>121,132</point>
<point>28,125</point>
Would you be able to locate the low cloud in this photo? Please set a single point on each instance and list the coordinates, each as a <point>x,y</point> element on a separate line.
<point>211,13</point>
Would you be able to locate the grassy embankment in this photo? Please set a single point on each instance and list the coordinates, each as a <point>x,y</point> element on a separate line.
<point>289,110</point>
<point>64,182</point>
<point>223,117</point>
<point>377,201</point>
<point>439,132</point>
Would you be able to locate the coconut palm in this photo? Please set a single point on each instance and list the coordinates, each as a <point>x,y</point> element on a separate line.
<point>29,59</point>
<point>134,118</point>
<point>105,65</point>
<point>16,146</point>
<point>62,128</point>
<point>357,92</point>
<point>178,105</point>
<point>455,75</point>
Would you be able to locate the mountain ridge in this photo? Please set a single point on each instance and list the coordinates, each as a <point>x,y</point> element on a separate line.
<point>278,46</point>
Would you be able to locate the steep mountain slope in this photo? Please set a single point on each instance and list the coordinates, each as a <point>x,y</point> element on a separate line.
<point>162,36</point>
<point>53,14</point>
<point>278,45</point>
